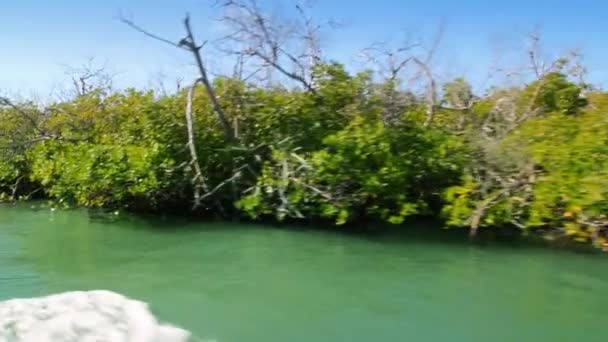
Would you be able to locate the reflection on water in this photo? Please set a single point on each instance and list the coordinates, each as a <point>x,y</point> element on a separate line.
<point>248,283</point>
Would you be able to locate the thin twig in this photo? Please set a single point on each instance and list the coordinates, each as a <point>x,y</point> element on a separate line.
<point>198,180</point>
<point>147,33</point>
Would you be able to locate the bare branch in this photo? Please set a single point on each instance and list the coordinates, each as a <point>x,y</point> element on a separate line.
<point>189,44</point>
<point>436,42</point>
<point>533,54</point>
<point>267,39</point>
<point>198,181</point>
<point>147,33</point>
<point>431,93</point>
<point>282,70</point>
<point>15,188</point>
<point>89,77</point>
<point>475,219</point>
<point>237,174</point>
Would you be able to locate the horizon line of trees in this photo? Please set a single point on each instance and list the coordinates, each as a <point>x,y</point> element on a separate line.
<point>290,135</point>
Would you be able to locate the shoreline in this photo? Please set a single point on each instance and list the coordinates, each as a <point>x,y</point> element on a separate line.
<point>425,229</point>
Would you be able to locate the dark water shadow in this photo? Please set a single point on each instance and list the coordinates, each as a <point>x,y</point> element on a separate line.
<point>418,230</point>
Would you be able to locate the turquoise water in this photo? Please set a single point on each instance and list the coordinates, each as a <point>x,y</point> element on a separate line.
<point>232,282</point>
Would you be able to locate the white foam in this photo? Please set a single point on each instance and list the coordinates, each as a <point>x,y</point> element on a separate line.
<point>83,316</point>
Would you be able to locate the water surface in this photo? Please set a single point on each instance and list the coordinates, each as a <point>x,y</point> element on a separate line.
<point>232,282</point>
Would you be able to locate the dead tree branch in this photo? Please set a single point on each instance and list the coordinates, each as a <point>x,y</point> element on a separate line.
<point>189,44</point>
<point>198,180</point>
<point>89,77</point>
<point>267,40</point>
<point>236,175</point>
<point>431,92</point>
<point>410,58</point>
<point>148,34</point>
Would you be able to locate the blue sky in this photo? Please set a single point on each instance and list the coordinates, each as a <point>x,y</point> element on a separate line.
<point>41,37</point>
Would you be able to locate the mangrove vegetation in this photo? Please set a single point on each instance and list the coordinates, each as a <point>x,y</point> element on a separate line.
<point>291,135</point>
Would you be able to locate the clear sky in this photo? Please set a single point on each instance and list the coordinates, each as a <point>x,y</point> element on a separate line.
<point>40,38</point>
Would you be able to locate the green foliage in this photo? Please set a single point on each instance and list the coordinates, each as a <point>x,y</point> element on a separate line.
<point>573,154</point>
<point>458,93</point>
<point>17,134</point>
<point>548,173</point>
<point>352,150</point>
<point>365,170</point>
<point>554,93</point>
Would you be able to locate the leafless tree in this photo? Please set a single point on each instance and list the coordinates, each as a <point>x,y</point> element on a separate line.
<point>89,77</point>
<point>409,60</point>
<point>508,174</point>
<point>290,47</point>
<point>389,64</point>
<point>189,44</point>
<point>506,116</point>
<point>166,84</point>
